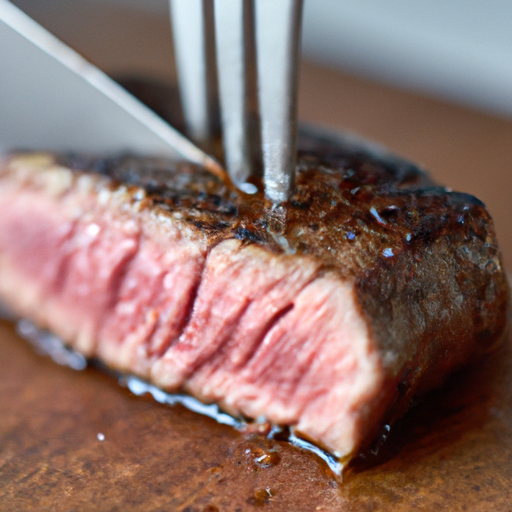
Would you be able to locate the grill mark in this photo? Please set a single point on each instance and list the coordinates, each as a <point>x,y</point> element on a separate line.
<point>474,227</point>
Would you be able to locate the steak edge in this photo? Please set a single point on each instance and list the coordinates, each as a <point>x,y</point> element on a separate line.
<point>328,314</point>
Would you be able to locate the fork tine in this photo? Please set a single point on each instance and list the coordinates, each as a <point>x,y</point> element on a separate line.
<point>257,42</point>
<point>278,24</point>
<point>193,33</point>
<point>234,34</point>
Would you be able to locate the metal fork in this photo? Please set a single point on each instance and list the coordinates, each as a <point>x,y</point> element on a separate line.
<point>245,55</point>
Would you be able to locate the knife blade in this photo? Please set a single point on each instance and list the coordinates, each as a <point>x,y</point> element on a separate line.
<point>51,98</point>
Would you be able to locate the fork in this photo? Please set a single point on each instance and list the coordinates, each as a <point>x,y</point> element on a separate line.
<point>237,63</point>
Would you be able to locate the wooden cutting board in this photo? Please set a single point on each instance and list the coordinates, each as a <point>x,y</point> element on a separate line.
<point>73,440</point>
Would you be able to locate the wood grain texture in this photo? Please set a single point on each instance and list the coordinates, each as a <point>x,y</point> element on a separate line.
<point>453,452</point>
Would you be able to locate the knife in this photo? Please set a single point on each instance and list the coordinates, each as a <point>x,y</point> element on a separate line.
<point>52,99</point>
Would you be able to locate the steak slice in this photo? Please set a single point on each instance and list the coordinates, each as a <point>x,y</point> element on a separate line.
<point>329,313</point>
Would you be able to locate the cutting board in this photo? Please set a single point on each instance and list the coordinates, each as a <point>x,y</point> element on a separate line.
<point>77,440</point>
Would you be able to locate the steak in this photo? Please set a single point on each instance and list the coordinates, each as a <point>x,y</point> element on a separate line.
<point>329,313</point>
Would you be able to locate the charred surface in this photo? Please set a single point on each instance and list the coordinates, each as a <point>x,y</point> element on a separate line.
<point>424,261</point>
<point>381,220</point>
<point>348,208</point>
<point>362,215</point>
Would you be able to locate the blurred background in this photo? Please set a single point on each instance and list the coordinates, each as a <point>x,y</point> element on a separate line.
<point>460,50</point>
<point>430,79</point>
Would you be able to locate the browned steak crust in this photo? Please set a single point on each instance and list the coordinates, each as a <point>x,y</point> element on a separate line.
<point>423,261</point>
<point>379,220</point>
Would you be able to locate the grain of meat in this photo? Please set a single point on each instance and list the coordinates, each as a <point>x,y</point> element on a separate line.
<point>329,313</point>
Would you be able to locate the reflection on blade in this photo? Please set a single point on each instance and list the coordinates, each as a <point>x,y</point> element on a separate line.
<point>53,99</point>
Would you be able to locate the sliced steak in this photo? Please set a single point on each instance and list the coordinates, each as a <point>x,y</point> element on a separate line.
<point>328,314</point>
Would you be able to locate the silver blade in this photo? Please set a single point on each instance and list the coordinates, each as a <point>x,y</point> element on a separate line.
<point>278,26</point>
<point>194,45</point>
<point>53,99</point>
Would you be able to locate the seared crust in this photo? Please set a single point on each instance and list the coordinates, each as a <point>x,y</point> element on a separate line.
<point>423,261</point>
<point>416,250</point>
<point>348,207</point>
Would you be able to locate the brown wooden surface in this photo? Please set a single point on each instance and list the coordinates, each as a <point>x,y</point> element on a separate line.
<point>453,452</point>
